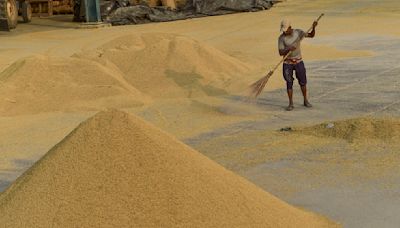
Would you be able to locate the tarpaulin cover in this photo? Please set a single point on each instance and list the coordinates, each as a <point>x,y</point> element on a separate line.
<point>139,14</point>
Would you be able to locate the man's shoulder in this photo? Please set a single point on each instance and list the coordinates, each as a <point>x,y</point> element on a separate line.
<point>299,31</point>
<point>281,36</point>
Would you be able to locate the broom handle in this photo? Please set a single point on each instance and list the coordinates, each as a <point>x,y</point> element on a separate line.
<point>301,38</point>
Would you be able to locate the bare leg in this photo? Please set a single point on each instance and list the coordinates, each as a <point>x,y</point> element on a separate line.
<point>304,91</point>
<point>290,95</point>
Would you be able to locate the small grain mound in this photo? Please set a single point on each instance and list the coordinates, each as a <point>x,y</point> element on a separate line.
<point>358,129</point>
<point>169,65</point>
<point>115,170</point>
<point>44,84</point>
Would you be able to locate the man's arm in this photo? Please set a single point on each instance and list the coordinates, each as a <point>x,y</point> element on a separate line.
<point>283,50</point>
<point>312,33</point>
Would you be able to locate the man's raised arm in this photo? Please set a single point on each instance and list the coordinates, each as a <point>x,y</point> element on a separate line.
<point>312,33</point>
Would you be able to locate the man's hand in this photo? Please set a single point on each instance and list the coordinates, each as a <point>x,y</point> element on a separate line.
<point>285,51</point>
<point>312,33</point>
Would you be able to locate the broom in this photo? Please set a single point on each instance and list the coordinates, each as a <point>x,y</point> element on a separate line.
<point>258,86</point>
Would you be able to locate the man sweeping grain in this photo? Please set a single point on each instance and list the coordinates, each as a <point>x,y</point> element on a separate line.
<point>289,42</point>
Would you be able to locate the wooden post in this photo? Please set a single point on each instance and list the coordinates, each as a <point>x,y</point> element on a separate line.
<point>50,7</point>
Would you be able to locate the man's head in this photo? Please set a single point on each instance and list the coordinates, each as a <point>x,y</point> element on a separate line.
<point>286,27</point>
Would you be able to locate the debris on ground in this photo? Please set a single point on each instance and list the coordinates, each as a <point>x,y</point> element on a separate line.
<point>330,125</point>
<point>286,129</point>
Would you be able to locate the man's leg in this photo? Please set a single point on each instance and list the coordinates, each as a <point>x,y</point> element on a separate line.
<point>290,95</point>
<point>304,91</point>
<point>288,76</point>
<point>302,78</point>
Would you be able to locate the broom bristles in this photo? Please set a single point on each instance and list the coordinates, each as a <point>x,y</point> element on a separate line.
<point>258,86</point>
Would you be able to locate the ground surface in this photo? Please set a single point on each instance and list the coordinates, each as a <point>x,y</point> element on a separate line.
<point>353,71</point>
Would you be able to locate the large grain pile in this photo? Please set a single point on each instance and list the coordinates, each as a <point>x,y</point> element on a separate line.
<point>42,84</point>
<point>115,170</point>
<point>122,73</point>
<point>169,65</point>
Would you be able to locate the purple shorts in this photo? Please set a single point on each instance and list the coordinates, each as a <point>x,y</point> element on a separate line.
<point>300,74</point>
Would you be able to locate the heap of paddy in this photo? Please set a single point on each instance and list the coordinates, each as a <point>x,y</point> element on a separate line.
<point>115,170</point>
<point>129,71</point>
<point>165,65</point>
<point>45,84</point>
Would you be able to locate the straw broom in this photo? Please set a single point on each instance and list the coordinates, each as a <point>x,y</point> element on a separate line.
<point>258,86</point>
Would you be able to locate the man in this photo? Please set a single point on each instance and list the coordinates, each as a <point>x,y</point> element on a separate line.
<point>289,42</point>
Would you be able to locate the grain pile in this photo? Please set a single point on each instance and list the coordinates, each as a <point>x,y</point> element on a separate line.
<point>123,73</point>
<point>358,129</point>
<point>169,65</point>
<point>115,170</point>
<point>352,152</point>
<point>43,84</point>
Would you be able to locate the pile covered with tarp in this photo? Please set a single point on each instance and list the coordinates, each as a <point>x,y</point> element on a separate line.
<point>122,12</point>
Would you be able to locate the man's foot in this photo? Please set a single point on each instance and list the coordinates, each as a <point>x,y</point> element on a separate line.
<point>307,104</point>
<point>290,107</point>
